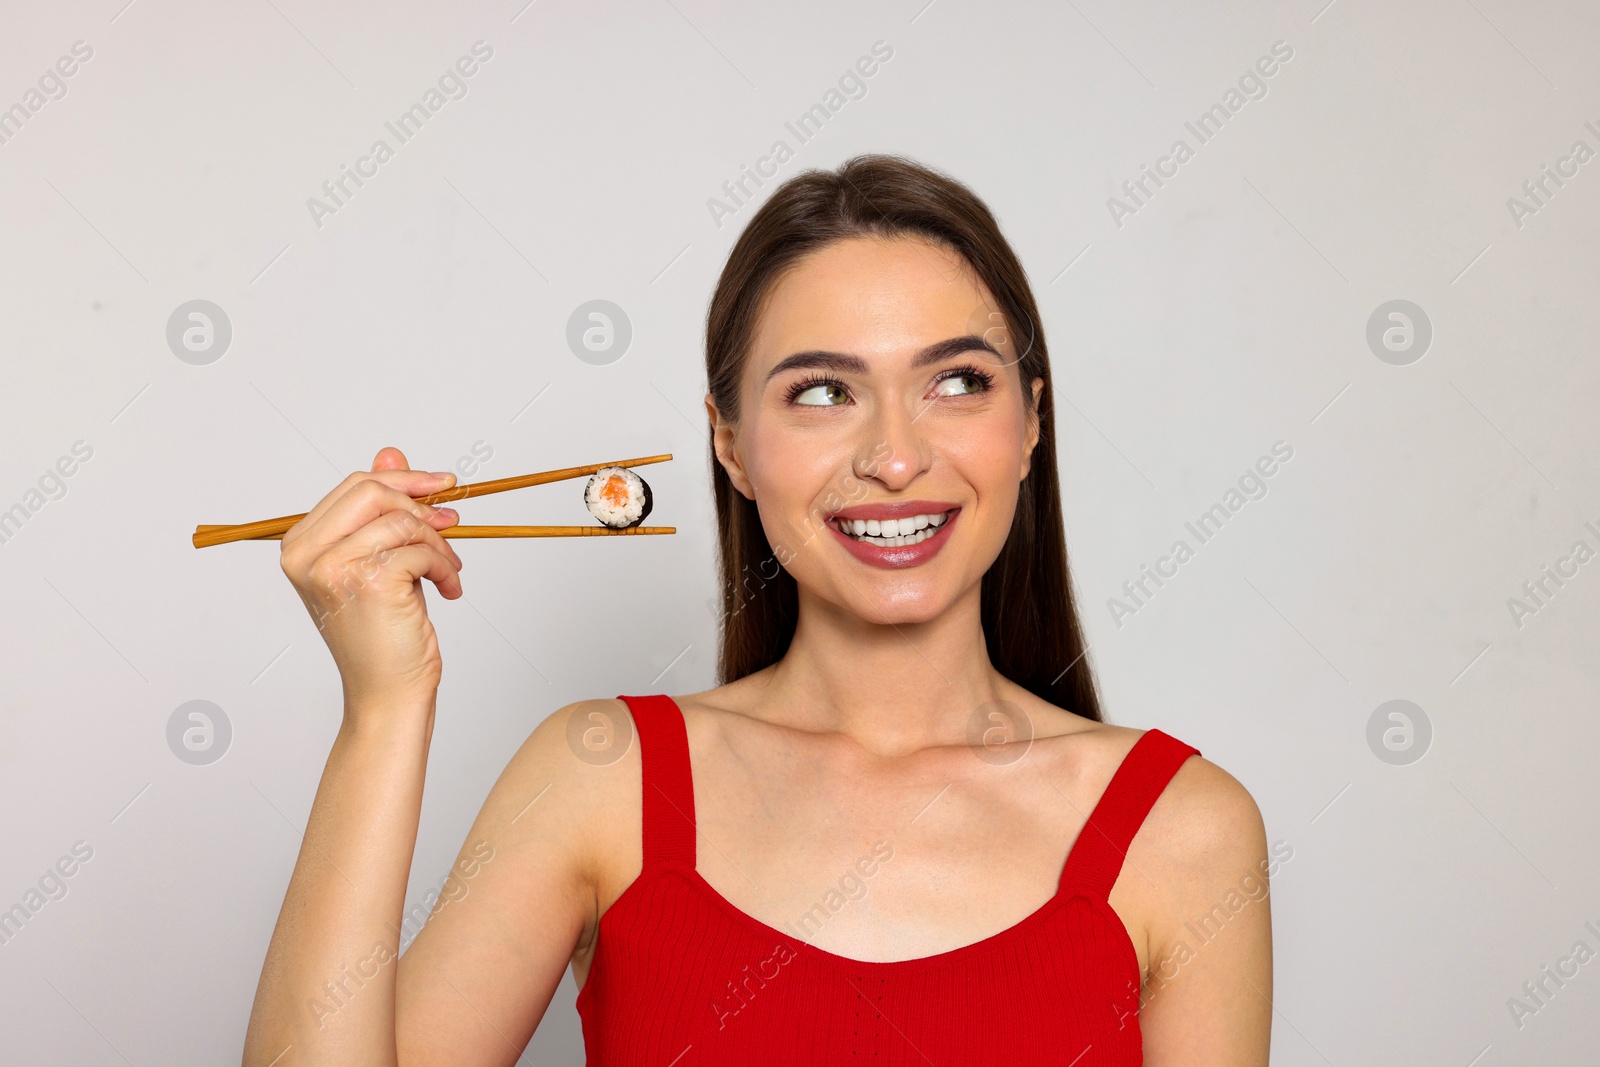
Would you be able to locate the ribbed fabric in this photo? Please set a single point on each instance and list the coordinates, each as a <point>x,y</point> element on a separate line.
<point>682,978</point>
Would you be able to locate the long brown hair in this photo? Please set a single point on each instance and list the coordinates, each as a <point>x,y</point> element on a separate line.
<point>1029,621</point>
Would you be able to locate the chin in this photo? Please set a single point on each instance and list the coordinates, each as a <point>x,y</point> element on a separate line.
<point>896,607</point>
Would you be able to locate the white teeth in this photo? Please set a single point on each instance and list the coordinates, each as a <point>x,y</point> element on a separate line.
<point>894,533</point>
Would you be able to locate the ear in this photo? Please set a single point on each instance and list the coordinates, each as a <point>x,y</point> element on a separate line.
<point>1033,428</point>
<point>727,448</point>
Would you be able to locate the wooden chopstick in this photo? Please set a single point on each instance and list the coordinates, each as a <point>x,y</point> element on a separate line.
<point>505,531</point>
<point>206,536</point>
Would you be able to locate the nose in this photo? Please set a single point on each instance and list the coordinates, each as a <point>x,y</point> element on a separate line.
<point>892,450</point>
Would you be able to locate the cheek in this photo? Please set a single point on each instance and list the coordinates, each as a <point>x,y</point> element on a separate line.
<point>796,481</point>
<point>990,456</point>
<point>766,459</point>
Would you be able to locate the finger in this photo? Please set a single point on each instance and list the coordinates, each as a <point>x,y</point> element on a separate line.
<point>393,529</point>
<point>409,482</point>
<point>364,501</point>
<point>404,551</point>
<point>402,564</point>
<point>389,458</point>
<point>421,561</point>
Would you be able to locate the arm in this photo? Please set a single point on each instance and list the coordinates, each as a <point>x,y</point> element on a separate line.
<point>1207,1000</point>
<point>341,912</point>
<point>475,983</point>
<point>328,988</point>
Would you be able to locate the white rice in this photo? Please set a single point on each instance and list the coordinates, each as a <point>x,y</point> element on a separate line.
<point>617,516</point>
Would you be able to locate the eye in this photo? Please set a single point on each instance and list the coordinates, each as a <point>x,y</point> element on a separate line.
<point>823,394</point>
<point>960,384</point>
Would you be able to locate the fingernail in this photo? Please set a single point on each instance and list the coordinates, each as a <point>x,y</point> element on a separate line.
<point>449,513</point>
<point>444,474</point>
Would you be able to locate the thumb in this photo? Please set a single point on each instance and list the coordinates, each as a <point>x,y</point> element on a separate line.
<point>390,458</point>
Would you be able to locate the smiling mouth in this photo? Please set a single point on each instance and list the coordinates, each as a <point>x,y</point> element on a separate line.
<point>893,533</point>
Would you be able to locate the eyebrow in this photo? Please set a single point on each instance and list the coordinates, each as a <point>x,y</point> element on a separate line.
<point>845,363</point>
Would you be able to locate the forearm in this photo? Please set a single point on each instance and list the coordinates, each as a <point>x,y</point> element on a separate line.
<point>327,987</point>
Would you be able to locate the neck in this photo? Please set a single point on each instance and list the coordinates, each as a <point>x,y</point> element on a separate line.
<point>891,688</point>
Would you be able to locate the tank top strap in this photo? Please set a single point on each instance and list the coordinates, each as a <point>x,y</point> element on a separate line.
<point>1096,857</point>
<point>665,775</point>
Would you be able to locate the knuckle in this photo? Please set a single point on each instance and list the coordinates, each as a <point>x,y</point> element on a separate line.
<point>403,524</point>
<point>447,554</point>
<point>325,573</point>
<point>349,482</point>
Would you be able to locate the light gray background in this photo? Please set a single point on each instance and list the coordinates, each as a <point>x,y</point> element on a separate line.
<point>1227,313</point>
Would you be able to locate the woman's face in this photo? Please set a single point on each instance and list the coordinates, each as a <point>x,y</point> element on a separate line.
<point>883,429</point>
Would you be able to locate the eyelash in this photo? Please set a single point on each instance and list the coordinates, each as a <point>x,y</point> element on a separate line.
<point>983,377</point>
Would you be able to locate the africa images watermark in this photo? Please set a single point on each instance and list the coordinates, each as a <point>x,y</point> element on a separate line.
<point>737,1001</point>
<point>1539,191</point>
<point>52,486</point>
<point>1537,994</point>
<point>338,992</point>
<point>1252,86</point>
<point>1252,486</point>
<point>1251,890</point>
<point>52,885</point>
<point>355,574</point>
<point>1537,592</point>
<point>452,85</point>
<point>852,886</point>
<point>52,86</point>
<point>988,327</point>
<point>852,85</point>
<point>453,886</point>
<point>853,489</point>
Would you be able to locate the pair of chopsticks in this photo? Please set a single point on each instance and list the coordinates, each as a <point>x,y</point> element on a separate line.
<point>274,529</point>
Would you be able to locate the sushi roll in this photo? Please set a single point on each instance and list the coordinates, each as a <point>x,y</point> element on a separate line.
<point>617,497</point>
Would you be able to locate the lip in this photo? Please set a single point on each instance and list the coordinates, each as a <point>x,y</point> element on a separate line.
<point>897,510</point>
<point>904,555</point>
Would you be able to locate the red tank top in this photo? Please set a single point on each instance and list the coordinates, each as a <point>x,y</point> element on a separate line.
<point>682,978</point>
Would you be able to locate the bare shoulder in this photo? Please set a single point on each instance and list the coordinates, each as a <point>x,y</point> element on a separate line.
<point>1205,819</point>
<point>1197,874</point>
<point>521,898</point>
<point>562,793</point>
<point>590,749</point>
<point>577,745</point>
<point>1202,848</point>
<point>595,743</point>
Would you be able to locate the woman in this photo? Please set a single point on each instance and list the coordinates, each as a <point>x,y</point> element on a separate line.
<point>899,832</point>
